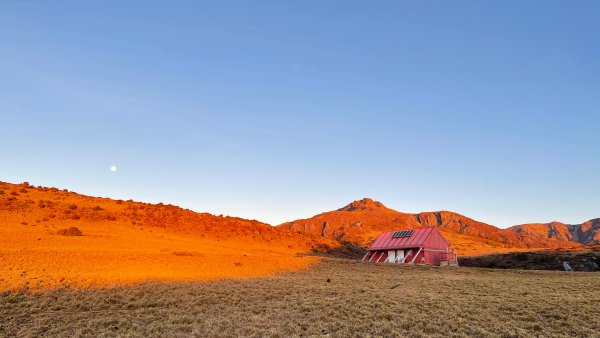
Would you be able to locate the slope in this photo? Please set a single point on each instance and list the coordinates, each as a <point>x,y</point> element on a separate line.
<point>53,237</point>
<point>361,221</point>
<point>587,233</point>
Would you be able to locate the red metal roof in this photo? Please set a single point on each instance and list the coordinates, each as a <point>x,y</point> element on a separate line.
<point>386,241</point>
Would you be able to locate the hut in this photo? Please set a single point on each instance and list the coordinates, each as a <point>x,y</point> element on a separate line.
<point>411,246</point>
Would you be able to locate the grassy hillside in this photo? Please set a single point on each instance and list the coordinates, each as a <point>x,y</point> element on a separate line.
<point>51,238</point>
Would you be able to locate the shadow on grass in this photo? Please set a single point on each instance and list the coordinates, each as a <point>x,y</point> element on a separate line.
<point>346,250</point>
<point>541,260</point>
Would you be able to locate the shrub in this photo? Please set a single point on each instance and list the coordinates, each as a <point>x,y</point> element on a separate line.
<point>182,253</point>
<point>97,208</point>
<point>72,207</point>
<point>72,231</point>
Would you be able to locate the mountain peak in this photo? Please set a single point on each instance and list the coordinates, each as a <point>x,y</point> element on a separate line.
<point>364,204</point>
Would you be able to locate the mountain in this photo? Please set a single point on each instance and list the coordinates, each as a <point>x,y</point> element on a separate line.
<point>587,233</point>
<point>361,221</point>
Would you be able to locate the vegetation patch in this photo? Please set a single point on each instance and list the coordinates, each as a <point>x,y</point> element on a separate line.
<point>72,231</point>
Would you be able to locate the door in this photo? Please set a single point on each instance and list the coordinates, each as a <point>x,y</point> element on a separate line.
<point>391,258</point>
<point>399,256</point>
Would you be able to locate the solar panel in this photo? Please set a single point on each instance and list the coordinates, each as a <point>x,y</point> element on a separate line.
<point>402,233</point>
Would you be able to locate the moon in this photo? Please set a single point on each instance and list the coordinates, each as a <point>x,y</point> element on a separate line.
<point>113,168</point>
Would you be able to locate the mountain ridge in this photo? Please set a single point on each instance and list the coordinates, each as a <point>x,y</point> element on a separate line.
<point>361,220</point>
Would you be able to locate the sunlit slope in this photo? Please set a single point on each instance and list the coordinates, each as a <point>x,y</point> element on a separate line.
<point>361,221</point>
<point>125,242</point>
<point>587,233</point>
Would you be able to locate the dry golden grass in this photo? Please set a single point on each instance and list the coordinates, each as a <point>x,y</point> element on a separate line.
<point>361,299</point>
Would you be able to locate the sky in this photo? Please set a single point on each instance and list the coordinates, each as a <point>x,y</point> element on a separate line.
<point>279,110</point>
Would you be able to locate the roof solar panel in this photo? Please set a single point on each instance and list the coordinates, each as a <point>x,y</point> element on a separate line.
<point>402,233</point>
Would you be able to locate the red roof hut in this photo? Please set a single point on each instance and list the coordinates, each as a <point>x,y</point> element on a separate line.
<point>421,246</point>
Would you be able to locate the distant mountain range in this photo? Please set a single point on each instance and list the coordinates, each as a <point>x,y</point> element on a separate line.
<point>587,233</point>
<point>361,221</point>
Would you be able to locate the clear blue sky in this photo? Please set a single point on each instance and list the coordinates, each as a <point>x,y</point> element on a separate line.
<point>278,110</point>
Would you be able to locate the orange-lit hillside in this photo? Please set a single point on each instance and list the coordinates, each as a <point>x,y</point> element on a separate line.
<point>51,237</point>
<point>126,241</point>
<point>361,221</point>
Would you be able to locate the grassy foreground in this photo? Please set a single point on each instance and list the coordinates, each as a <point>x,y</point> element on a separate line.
<point>358,300</point>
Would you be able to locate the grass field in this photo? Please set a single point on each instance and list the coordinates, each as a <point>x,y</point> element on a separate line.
<point>359,300</point>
